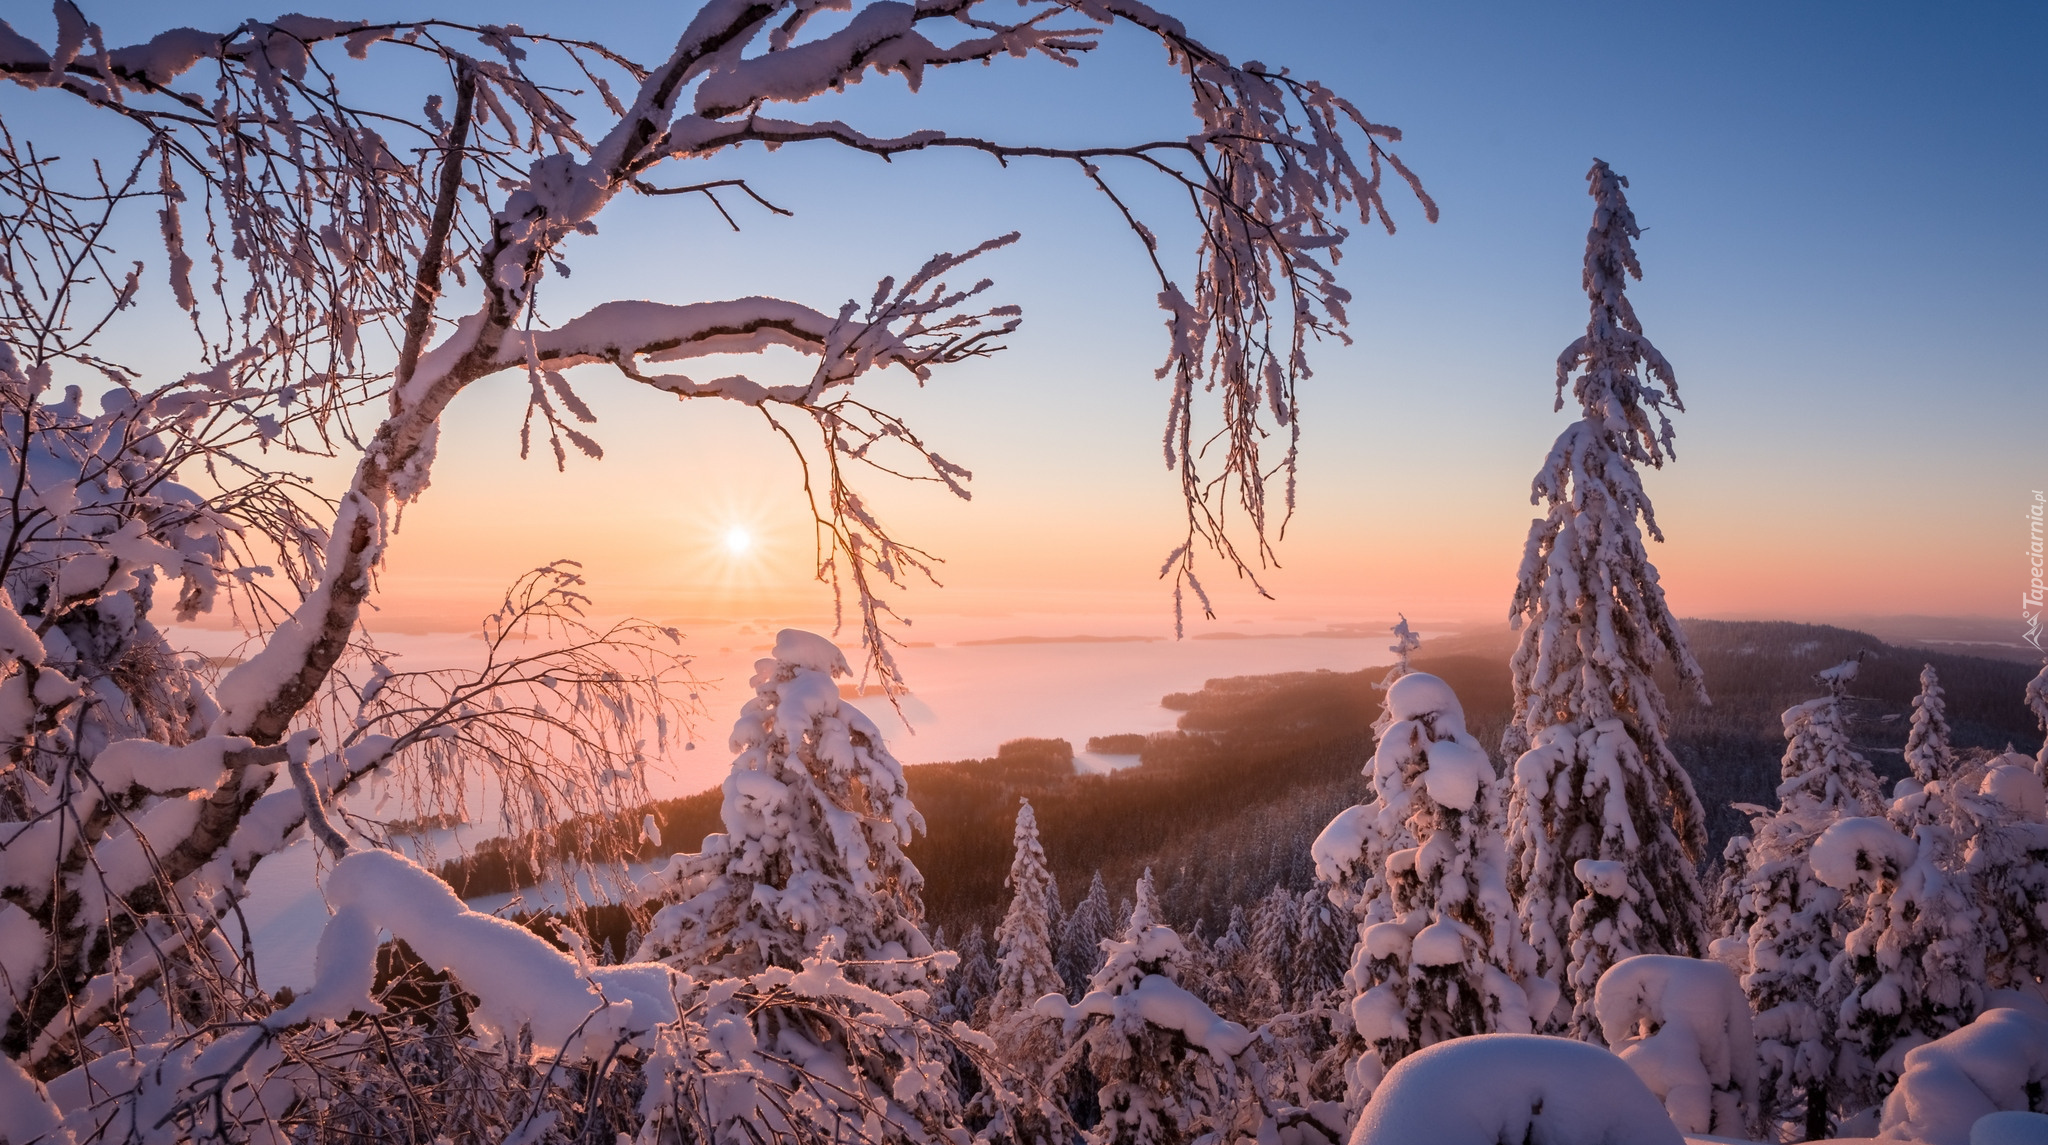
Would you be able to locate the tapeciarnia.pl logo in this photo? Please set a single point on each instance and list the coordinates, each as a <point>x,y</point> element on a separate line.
<point>2034,602</point>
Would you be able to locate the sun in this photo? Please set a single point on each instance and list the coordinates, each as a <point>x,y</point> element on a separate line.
<point>738,541</point>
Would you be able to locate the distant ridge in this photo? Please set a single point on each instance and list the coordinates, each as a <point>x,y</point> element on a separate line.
<point>1059,640</point>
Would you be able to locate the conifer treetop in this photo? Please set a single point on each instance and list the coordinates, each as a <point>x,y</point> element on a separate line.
<point>1025,969</point>
<point>1623,381</point>
<point>1927,744</point>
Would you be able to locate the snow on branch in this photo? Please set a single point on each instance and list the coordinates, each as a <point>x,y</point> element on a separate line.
<point>520,981</point>
<point>349,267</point>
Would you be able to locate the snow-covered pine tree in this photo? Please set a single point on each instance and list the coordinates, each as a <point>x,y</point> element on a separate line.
<point>1236,940</point>
<point>1081,935</point>
<point>1235,988</point>
<point>1145,905</point>
<point>1308,1040</point>
<point>1025,970</point>
<point>1913,966</point>
<point>2037,702</point>
<point>1950,822</point>
<point>971,983</point>
<point>1913,970</point>
<point>1272,949</point>
<point>816,817</point>
<point>1593,777</point>
<point>1404,646</point>
<point>1927,752</point>
<point>1603,933</point>
<point>1406,641</point>
<point>1351,852</point>
<point>1321,951</point>
<point>1200,973</point>
<point>1170,1069</point>
<point>2007,864</point>
<point>808,898</point>
<point>1450,960</point>
<point>1788,923</point>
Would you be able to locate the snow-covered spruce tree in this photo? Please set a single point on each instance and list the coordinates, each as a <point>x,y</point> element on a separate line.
<point>2037,702</point>
<point>1788,924</point>
<point>1450,959</point>
<point>1321,952</point>
<point>1350,854</point>
<point>1272,949</point>
<point>2006,861</point>
<point>808,900</point>
<point>377,264</point>
<point>971,983</point>
<point>816,816</point>
<point>1404,646</point>
<point>1235,988</point>
<point>1927,753</point>
<point>1170,1070</point>
<point>1092,920</point>
<point>1593,777</point>
<point>1912,971</point>
<point>1603,933</point>
<point>1143,908</point>
<point>1025,972</point>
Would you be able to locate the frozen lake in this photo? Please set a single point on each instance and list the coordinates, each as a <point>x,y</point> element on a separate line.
<point>967,698</point>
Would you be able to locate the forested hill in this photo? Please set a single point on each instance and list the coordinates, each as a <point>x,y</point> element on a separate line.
<point>1227,805</point>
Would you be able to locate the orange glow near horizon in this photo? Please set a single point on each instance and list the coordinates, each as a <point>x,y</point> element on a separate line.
<point>698,515</point>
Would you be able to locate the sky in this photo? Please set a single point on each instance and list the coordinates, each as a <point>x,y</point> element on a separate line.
<point>1844,255</point>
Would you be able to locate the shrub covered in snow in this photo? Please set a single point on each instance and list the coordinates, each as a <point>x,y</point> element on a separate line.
<point>1519,1088</point>
<point>1998,1062</point>
<point>1683,1025</point>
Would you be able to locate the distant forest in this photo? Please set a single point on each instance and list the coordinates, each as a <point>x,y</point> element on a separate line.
<point>1224,807</point>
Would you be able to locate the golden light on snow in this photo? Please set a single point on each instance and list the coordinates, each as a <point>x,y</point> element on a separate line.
<point>738,541</point>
